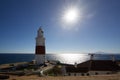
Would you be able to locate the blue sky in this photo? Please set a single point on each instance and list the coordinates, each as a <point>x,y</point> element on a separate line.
<point>97,29</point>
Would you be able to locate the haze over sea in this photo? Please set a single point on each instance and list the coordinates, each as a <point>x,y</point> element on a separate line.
<point>69,58</point>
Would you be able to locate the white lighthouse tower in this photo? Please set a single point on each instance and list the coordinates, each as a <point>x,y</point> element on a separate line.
<point>40,47</point>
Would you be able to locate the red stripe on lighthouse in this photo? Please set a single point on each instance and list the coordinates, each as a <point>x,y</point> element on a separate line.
<point>40,50</point>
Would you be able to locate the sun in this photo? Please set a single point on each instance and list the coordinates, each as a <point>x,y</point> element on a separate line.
<point>71,15</point>
<point>70,18</point>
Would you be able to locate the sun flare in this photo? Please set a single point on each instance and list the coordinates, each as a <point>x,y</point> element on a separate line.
<point>70,18</point>
<point>71,15</point>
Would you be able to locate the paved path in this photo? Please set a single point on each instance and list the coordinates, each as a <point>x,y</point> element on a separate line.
<point>46,68</point>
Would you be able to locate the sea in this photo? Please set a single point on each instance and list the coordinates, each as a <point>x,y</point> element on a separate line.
<point>68,58</point>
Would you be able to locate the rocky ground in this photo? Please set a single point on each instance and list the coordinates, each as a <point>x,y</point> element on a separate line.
<point>37,77</point>
<point>97,77</point>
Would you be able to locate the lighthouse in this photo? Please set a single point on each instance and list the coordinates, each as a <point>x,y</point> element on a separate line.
<point>40,47</point>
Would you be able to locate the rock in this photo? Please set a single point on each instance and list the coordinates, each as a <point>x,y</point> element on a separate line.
<point>4,77</point>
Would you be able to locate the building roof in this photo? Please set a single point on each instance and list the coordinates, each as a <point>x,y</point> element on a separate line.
<point>94,65</point>
<point>104,65</point>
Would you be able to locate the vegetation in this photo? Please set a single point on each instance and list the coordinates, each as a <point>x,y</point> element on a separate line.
<point>55,71</point>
